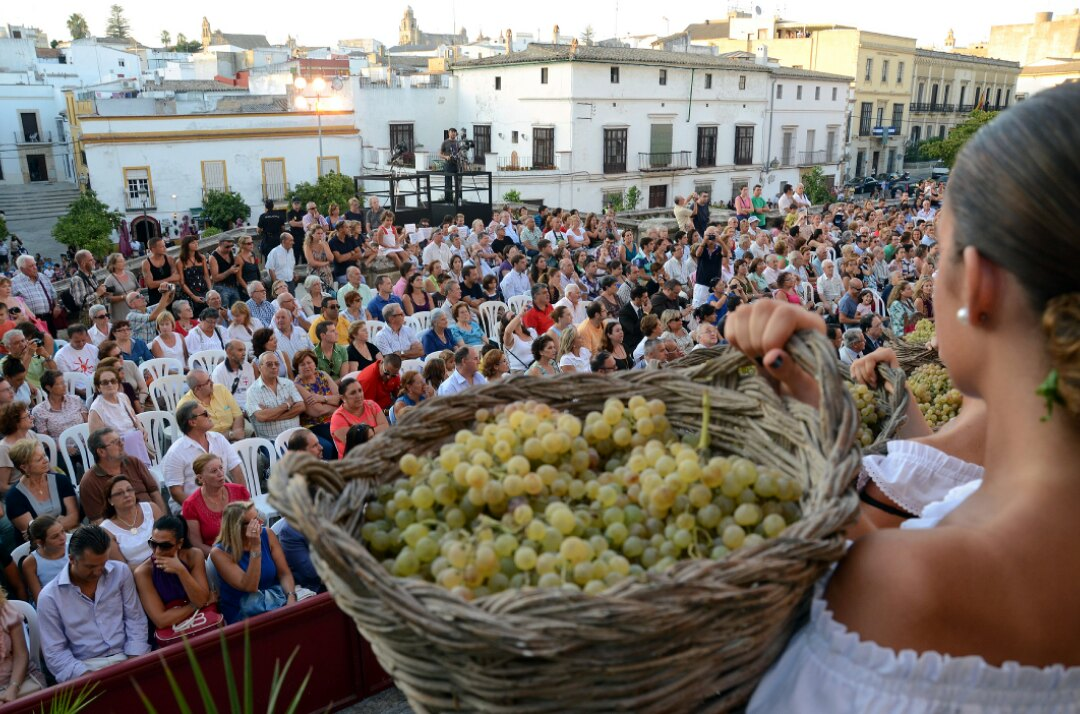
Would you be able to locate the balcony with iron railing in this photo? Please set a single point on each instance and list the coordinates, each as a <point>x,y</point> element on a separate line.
<point>523,162</point>
<point>663,160</point>
<point>219,189</point>
<point>919,107</point>
<point>615,166</point>
<point>812,158</point>
<point>275,191</point>
<point>142,200</point>
<point>964,108</point>
<point>33,137</point>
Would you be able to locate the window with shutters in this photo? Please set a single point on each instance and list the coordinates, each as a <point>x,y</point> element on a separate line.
<point>708,81</point>
<point>214,177</point>
<point>866,111</point>
<point>830,146</point>
<point>779,91</point>
<point>884,71</point>
<point>897,116</point>
<point>482,136</point>
<point>275,185</point>
<point>742,81</point>
<point>663,78</point>
<point>543,75</point>
<point>138,187</point>
<point>817,94</point>
<point>834,94</point>
<point>787,150</point>
<point>658,197</point>
<point>329,165</point>
<point>880,117</point>
<point>899,72</point>
<point>543,141</point>
<point>744,145</point>
<point>498,84</point>
<point>869,68</point>
<point>798,92</point>
<point>614,75</point>
<point>614,151</point>
<point>706,145</point>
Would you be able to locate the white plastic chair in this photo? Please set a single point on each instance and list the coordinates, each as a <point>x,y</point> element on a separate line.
<point>164,431</point>
<point>806,292</point>
<point>374,327</point>
<point>206,360</point>
<point>212,577</point>
<point>413,364</point>
<point>519,303</point>
<point>832,254</point>
<point>160,367</point>
<point>20,552</point>
<point>279,526</point>
<point>29,615</point>
<point>282,440</point>
<point>59,345</point>
<point>78,380</point>
<point>248,450</point>
<point>351,375</point>
<point>166,391</point>
<point>489,319</point>
<point>76,436</point>
<point>50,449</point>
<point>419,321</point>
<point>879,303</point>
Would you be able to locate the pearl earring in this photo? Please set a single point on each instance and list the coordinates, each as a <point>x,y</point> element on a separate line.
<point>963,316</point>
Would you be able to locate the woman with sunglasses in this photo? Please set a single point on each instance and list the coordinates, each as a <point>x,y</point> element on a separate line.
<point>113,409</point>
<point>255,577</point>
<point>128,522</point>
<point>249,265</point>
<point>172,582</point>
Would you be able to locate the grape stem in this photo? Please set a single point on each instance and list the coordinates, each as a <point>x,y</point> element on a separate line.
<point>706,409</point>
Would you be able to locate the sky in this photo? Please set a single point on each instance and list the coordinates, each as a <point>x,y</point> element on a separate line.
<point>319,22</point>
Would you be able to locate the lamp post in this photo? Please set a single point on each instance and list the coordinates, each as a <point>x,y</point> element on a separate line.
<point>314,100</point>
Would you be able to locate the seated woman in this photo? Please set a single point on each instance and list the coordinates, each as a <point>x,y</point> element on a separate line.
<point>438,337</point>
<point>172,583</point>
<point>19,673</point>
<point>38,492</point>
<point>128,522</point>
<point>131,348</point>
<point>413,391</point>
<point>113,409</point>
<point>465,330</point>
<point>255,578</point>
<point>203,508</point>
<point>48,556</point>
<point>354,409</point>
<point>320,394</point>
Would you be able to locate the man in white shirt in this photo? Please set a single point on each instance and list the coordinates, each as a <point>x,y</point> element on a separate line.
<point>786,199</point>
<point>516,282</point>
<point>572,300</point>
<point>438,250</point>
<point>290,338</point>
<point>675,267</point>
<point>926,213</point>
<point>800,197</point>
<point>78,355</point>
<point>198,438</point>
<point>354,282</point>
<point>100,325</point>
<point>397,337</point>
<point>854,344</point>
<point>235,374</point>
<point>285,301</point>
<point>465,374</point>
<point>273,403</point>
<point>281,263</point>
<point>206,335</point>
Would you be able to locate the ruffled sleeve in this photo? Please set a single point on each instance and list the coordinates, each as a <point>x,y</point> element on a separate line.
<point>915,475</point>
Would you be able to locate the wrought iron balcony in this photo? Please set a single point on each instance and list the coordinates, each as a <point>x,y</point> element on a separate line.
<point>663,160</point>
<point>812,158</point>
<point>144,199</point>
<point>33,137</point>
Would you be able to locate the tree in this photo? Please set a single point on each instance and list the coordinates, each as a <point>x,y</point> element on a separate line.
<point>632,198</point>
<point>946,150</point>
<point>3,229</point>
<point>330,188</point>
<point>222,208</point>
<point>118,25</point>
<point>587,36</point>
<point>89,225</point>
<point>185,45</point>
<point>165,38</point>
<point>77,26</point>
<point>816,187</point>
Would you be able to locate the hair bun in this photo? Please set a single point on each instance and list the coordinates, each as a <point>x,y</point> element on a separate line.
<point>1061,321</point>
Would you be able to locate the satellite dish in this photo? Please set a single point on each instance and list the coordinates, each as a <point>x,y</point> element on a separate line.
<point>757,9</point>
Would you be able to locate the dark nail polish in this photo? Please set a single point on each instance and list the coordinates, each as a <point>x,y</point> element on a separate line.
<point>776,363</point>
<point>760,361</point>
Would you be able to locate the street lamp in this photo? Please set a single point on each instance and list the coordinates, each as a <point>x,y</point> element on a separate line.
<point>315,98</point>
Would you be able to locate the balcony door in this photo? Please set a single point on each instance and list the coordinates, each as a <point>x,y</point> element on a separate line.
<point>660,145</point>
<point>30,128</point>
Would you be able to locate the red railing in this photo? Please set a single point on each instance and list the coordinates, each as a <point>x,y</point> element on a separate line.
<point>342,666</point>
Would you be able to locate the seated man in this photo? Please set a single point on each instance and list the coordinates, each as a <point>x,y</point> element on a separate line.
<point>108,450</point>
<point>90,616</point>
<point>218,400</point>
<point>78,355</point>
<point>273,403</point>
<point>198,438</point>
<point>293,542</point>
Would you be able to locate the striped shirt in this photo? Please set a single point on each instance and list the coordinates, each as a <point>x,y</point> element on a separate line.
<point>259,396</point>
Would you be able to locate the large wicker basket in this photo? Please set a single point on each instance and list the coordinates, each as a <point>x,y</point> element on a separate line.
<point>695,638</point>
<point>911,356</point>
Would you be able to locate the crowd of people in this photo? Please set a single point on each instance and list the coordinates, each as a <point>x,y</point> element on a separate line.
<point>317,357</point>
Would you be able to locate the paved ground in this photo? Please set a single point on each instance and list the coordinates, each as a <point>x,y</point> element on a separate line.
<point>391,701</point>
<point>37,237</point>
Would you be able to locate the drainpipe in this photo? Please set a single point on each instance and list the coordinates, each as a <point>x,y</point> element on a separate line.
<point>690,103</point>
<point>768,136</point>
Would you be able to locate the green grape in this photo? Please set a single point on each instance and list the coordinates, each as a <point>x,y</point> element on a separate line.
<point>525,558</point>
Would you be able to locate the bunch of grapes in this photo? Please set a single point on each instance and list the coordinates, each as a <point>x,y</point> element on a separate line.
<point>923,332</point>
<point>938,400</point>
<point>532,497</point>
<point>871,412</point>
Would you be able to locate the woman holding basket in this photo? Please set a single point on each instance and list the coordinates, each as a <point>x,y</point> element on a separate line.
<point>964,608</point>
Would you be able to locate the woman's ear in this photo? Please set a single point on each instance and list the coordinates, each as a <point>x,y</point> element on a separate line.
<point>982,285</point>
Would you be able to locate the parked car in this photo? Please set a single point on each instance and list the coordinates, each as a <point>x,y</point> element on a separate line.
<point>939,173</point>
<point>864,184</point>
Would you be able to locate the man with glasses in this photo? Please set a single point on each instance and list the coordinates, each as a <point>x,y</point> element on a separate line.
<point>331,313</point>
<point>36,290</point>
<point>100,325</point>
<point>89,614</point>
<point>33,355</point>
<point>144,323</point>
<point>110,461</point>
<point>381,380</point>
<point>259,306</point>
<point>397,337</point>
<point>291,339</point>
<point>603,363</point>
<point>235,373</point>
<point>218,401</point>
<point>198,438</point>
<point>273,403</point>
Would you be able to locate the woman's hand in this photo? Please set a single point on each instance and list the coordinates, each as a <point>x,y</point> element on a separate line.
<point>169,564</point>
<point>762,330</point>
<point>864,369</point>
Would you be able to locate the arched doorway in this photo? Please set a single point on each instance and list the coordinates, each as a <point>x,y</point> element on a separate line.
<point>143,228</point>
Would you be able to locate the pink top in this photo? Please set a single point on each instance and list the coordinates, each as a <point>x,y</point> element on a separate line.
<point>195,509</point>
<point>9,616</point>
<point>343,418</point>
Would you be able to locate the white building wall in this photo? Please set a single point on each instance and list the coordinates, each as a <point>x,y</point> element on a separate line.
<point>176,166</point>
<point>801,116</point>
<point>41,100</point>
<point>96,64</point>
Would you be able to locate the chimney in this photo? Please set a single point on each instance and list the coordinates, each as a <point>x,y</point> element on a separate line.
<point>509,41</point>
<point>1043,17</point>
<point>573,47</point>
<point>762,57</point>
<point>555,35</point>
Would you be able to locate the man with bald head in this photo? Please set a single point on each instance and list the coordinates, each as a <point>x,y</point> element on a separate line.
<point>291,339</point>
<point>273,403</point>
